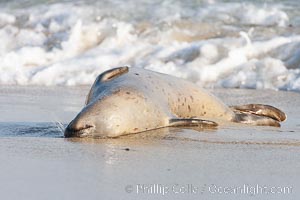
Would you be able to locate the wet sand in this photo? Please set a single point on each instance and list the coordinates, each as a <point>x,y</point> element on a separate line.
<point>231,162</point>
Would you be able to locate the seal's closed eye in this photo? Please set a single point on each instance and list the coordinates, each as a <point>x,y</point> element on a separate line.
<point>113,73</point>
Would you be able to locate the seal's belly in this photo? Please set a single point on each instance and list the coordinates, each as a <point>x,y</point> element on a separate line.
<point>193,102</point>
<point>182,98</point>
<point>185,99</point>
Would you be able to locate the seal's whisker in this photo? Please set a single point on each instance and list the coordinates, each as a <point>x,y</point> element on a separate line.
<point>59,126</point>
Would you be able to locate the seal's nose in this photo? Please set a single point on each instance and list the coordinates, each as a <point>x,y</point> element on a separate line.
<point>75,129</point>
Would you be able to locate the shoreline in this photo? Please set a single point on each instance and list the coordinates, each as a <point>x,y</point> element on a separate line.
<point>53,105</point>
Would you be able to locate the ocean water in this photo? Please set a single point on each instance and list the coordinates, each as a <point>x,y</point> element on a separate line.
<point>213,43</point>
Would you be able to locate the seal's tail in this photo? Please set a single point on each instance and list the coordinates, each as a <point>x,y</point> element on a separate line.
<point>259,114</point>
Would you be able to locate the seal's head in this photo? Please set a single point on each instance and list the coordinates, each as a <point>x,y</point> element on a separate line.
<point>113,108</point>
<point>100,107</point>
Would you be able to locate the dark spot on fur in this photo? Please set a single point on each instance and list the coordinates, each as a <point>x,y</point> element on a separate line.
<point>204,113</point>
<point>192,98</point>
<point>189,107</point>
<point>184,99</point>
<point>182,104</point>
<point>178,99</point>
<point>127,92</point>
<point>135,129</point>
<point>203,106</point>
<point>127,149</point>
<point>136,74</point>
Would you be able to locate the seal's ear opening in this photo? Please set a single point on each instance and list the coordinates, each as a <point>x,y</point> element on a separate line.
<point>113,73</point>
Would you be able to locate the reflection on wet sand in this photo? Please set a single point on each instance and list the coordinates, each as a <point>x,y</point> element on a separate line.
<point>240,135</point>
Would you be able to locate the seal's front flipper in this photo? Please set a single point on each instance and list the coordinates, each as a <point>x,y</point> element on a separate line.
<point>191,122</point>
<point>261,110</point>
<point>104,77</point>
<point>113,73</point>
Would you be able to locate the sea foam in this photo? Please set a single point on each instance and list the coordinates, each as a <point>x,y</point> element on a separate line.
<point>211,43</point>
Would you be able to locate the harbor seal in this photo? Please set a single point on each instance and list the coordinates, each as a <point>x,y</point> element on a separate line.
<point>131,100</point>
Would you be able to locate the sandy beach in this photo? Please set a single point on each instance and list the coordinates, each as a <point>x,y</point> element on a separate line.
<point>52,51</point>
<point>231,162</point>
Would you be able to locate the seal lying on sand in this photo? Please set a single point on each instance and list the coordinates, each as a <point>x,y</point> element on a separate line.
<point>131,100</point>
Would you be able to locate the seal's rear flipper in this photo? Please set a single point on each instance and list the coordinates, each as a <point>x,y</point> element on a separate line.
<point>261,110</point>
<point>191,122</point>
<point>248,118</point>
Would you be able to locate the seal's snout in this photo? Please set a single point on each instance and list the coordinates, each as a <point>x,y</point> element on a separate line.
<point>78,130</point>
